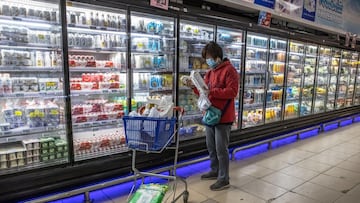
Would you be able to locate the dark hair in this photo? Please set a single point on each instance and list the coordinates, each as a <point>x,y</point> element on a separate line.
<point>212,49</point>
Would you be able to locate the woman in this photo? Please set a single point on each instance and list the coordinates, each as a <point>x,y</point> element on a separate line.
<point>223,83</point>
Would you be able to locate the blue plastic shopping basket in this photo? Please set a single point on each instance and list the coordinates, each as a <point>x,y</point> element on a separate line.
<point>147,133</point>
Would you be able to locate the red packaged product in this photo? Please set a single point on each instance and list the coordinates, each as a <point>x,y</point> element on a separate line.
<point>102,117</point>
<point>86,77</point>
<point>114,85</point>
<point>77,110</point>
<point>75,86</point>
<point>118,107</point>
<point>109,64</point>
<point>80,119</point>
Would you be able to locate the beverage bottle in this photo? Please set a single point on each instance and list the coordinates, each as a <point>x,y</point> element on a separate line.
<point>113,22</point>
<point>47,59</point>
<point>96,20</point>
<point>102,20</point>
<point>82,19</point>
<point>53,59</point>
<point>107,20</point>
<point>118,22</point>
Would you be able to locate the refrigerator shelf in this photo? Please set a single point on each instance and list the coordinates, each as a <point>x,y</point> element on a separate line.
<point>292,99</point>
<point>257,48</point>
<point>28,47</point>
<point>193,39</point>
<point>136,34</point>
<point>32,69</point>
<point>34,165</point>
<point>93,69</point>
<point>57,94</point>
<point>272,104</point>
<point>105,152</point>
<point>235,44</point>
<point>192,116</point>
<point>165,89</point>
<point>97,50</point>
<point>296,53</point>
<point>28,21</point>
<point>95,124</point>
<point>151,52</point>
<point>95,29</point>
<point>191,55</point>
<point>277,50</point>
<point>261,86</point>
<point>76,93</point>
<point>311,55</point>
<point>253,106</point>
<point>252,60</point>
<point>24,131</point>
<point>255,72</point>
<point>189,70</point>
<point>153,71</point>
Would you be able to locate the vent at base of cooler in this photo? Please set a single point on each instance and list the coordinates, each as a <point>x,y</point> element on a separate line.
<point>329,127</point>
<point>346,122</point>
<point>246,153</point>
<point>285,141</point>
<point>308,134</point>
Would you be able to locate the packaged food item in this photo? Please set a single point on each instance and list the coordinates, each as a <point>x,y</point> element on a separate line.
<point>52,114</point>
<point>35,116</point>
<point>21,162</point>
<point>150,193</point>
<point>29,160</point>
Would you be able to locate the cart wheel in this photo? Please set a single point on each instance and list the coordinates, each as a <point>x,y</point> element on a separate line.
<point>186,196</point>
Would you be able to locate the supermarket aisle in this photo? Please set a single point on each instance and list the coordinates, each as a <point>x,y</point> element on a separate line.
<point>325,168</point>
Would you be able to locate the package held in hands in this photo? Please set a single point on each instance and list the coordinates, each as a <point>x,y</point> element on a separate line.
<point>198,81</point>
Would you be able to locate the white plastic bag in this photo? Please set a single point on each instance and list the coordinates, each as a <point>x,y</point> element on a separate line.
<point>203,102</point>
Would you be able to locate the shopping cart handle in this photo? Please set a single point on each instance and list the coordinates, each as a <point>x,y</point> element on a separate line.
<point>179,109</point>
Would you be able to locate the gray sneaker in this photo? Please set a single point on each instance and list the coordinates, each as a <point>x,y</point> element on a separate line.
<point>209,176</point>
<point>220,185</point>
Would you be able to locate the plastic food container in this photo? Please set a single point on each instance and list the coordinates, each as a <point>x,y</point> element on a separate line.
<point>5,126</point>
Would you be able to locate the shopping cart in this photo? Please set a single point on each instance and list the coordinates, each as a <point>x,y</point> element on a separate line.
<point>154,135</point>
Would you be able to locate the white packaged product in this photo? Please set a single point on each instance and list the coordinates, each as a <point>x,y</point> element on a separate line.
<point>203,102</point>
<point>198,81</point>
<point>21,162</point>
<point>3,165</point>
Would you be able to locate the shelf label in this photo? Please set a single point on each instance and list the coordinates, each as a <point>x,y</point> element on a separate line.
<point>7,133</point>
<point>26,131</point>
<point>19,94</point>
<point>87,125</point>
<point>11,139</point>
<point>104,122</point>
<point>96,129</point>
<point>92,27</point>
<point>114,91</point>
<point>105,91</point>
<point>17,18</point>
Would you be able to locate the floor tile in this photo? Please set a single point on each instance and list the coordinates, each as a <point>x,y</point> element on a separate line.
<point>317,192</point>
<point>255,170</point>
<point>274,164</point>
<point>263,189</point>
<point>348,199</point>
<point>355,191</point>
<point>203,187</point>
<point>194,196</point>
<point>333,183</point>
<point>291,197</point>
<point>282,180</point>
<point>313,165</point>
<point>355,158</point>
<point>238,196</point>
<point>238,179</point>
<point>349,165</point>
<point>326,159</point>
<point>345,150</point>
<point>344,174</point>
<point>339,155</point>
<point>210,201</point>
<point>299,172</point>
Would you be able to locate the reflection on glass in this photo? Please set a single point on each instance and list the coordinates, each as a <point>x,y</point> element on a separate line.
<point>309,79</point>
<point>193,38</point>
<point>323,78</point>
<point>231,41</point>
<point>294,79</point>
<point>275,80</point>
<point>255,80</point>
<point>334,71</point>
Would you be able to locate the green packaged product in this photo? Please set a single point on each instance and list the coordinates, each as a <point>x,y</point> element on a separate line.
<point>59,155</point>
<point>151,193</point>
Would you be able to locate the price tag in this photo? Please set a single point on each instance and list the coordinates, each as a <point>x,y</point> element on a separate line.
<point>114,91</point>
<point>96,129</point>
<point>92,27</point>
<point>105,91</point>
<point>87,125</point>
<point>104,122</point>
<point>19,94</point>
<point>11,139</point>
<point>103,28</point>
<point>26,131</point>
<point>7,133</point>
<point>17,18</point>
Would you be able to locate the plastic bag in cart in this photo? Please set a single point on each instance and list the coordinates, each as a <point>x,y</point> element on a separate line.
<point>151,193</point>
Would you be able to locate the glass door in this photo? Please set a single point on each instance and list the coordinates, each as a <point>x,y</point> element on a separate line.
<point>275,84</point>
<point>256,66</point>
<point>193,38</point>
<point>347,76</point>
<point>323,76</point>
<point>332,85</point>
<point>309,79</point>
<point>231,41</point>
<point>357,85</point>
<point>32,118</point>
<point>97,62</point>
<point>152,57</point>
<point>296,55</point>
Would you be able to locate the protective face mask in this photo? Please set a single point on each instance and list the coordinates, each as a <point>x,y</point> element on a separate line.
<point>211,62</point>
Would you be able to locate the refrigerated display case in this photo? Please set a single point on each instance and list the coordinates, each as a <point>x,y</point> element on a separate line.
<point>322,80</point>
<point>346,83</point>
<point>295,66</point>
<point>275,78</point>
<point>152,57</point>
<point>193,38</point>
<point>256,66</point>
<point>231,41</point>
<point>32,119</point>
<point>97,44</point>
<point>357,85</point>
<point>307,94</point>
<point>333,80</point>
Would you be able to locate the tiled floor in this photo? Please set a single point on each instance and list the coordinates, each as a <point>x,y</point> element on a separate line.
<point>325,168</point>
